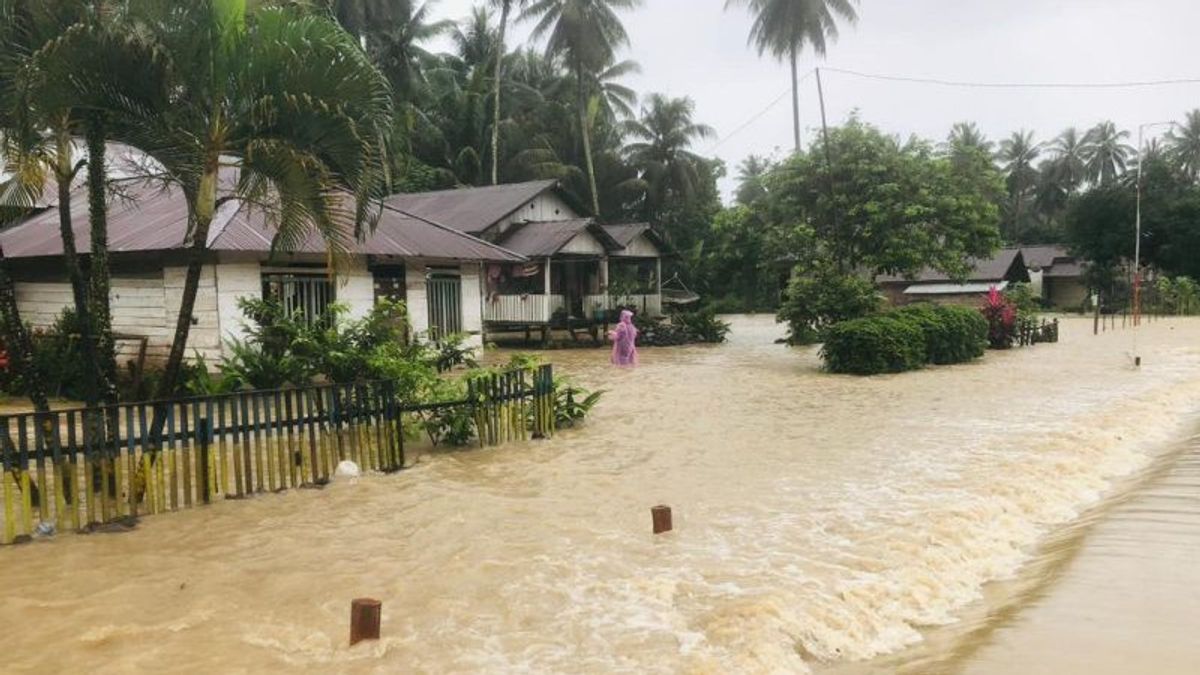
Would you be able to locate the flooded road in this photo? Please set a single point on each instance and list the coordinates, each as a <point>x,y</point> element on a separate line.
<point>821,523</point>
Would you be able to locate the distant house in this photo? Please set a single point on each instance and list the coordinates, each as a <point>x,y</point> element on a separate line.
<point>576,268</point>
<point>1000,271</point>
<point>1057,275</point>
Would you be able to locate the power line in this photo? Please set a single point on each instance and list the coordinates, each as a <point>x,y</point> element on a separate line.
<point>1015,85</point>
<point>757,116</point>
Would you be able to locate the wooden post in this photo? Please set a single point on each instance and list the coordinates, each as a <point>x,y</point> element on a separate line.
<point>202,463</point>
<point>661,516</point>
<point>365,615</point>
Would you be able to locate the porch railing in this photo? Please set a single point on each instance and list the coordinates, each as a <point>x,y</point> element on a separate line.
<point>649,304</point>
<point>79,469</point>
<point>520,309</point>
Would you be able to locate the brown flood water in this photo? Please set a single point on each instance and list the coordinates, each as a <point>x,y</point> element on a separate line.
<point>828,523</point>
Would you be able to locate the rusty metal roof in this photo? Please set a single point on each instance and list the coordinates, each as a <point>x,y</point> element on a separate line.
<point>470,210</point>
<point>546,239</point>
<point>153,218</point>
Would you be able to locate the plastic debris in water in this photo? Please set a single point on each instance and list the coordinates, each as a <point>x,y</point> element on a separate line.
<point>347,469</point>
<point>45,529</point>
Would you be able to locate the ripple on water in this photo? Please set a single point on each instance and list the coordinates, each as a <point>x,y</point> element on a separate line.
<point>819,519</point>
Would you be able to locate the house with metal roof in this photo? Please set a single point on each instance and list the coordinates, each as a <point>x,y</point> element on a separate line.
<point>1057,275</point>
<point>1000,271</point>
<point>576,271</point>
<point>436,270</point>
<point>462,260</point>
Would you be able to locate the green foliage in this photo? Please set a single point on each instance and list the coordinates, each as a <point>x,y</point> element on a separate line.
<point>818,297</point>
<point>57,357</point>
<point>885,207</point>
<point>905,339</point>
<point>572,404</point>
<point>682,328</point>
<point>1028,302</point>
<point>701,326</point>
<point>953,334</point>
<point>873,345</point>
<point>1180,296</point>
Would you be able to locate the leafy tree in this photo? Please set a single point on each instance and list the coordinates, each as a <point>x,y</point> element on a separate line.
<point>785,27</point>
<point>886,207</point>
<point>819,296</point>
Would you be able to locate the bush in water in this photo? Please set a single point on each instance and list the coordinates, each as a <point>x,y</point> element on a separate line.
<point>952,334</point>
<point>820,297</point>
<point>872,345</point>
<point>683,328</point>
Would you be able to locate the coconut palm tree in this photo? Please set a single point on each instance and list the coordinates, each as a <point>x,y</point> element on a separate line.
<point>506,8</point>
<point>1108,155</point>
<point>288,102</point>
<point>1062,173</point>
<point>965,137</point>
<point>586,34</point>
<point>396,45</point>
<point>751,184</point>
<point>1183,145</point>
<point>785,27</point>
<point>1017,156</point>
<point>665,133</point>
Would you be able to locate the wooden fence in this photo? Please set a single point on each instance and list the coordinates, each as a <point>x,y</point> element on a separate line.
<point>81,469</point>
<point>1030,332</point>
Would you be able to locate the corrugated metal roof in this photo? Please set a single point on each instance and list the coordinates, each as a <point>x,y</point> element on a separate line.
<point>545,239</point>
<point>991,269</point>
<point>625,233</point>
<point>152,218</point>
<point>954,289</point>
<point>470,210</point>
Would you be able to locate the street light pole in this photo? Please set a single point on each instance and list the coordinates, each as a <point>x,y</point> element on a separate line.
<point>1137,245</point>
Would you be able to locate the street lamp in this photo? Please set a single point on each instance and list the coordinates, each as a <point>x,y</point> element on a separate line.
<point>1137,245</point>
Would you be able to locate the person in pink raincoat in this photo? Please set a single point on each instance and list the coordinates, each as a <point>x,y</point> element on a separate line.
<point>624,338</point>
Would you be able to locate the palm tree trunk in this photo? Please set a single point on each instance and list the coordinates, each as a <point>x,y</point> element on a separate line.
<point>586,133</point>
<point>795,100</point>
<point>101,311</point>
<point>504,9</point>
<point>203,208</point>
<point>64,172</point>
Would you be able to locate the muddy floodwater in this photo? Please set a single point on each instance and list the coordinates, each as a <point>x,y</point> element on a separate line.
<point>1001,516</point>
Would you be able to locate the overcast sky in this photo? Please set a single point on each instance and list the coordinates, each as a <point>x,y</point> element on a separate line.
<point>695,48</point>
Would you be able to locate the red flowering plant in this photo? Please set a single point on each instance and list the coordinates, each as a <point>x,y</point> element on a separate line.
<point>1001,315</point>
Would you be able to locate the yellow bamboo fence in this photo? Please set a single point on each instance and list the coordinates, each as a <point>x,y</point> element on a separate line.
<point>82,469</point>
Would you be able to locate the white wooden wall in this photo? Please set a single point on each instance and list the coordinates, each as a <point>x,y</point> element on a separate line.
<point>546,207</point>
<point>147,304</point>
<point>236,280</point>
<point>356,289</point>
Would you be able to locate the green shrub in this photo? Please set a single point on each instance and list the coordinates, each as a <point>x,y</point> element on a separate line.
<point>822,297</point>
<point>952,334</point>
<point>872,345</point>
<point>701,326</point>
